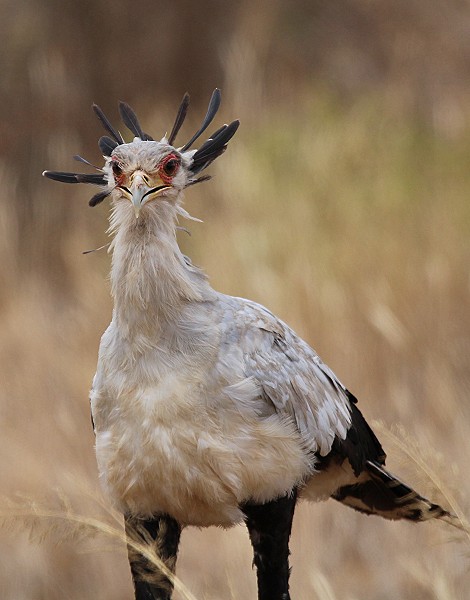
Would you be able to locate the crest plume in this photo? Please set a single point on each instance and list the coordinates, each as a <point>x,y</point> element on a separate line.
<point>198,160</point>
<point>132,122</point>
<point>180,117</point>
<point>107,125</point>
<point>211,112</point>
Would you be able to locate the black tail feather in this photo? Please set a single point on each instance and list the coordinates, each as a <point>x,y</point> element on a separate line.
<point>379,492</point>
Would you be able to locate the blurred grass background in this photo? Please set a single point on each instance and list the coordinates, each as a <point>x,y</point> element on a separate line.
<point>342,204</point>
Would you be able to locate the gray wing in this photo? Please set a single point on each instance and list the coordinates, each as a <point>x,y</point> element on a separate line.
<point>292,376</point>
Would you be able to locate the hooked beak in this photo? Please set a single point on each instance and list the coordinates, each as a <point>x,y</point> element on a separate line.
<point>140,192</point>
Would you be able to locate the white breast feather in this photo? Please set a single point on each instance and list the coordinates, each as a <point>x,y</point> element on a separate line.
<point>219,405</point>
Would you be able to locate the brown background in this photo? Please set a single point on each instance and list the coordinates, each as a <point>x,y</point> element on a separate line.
<point>342,204</point>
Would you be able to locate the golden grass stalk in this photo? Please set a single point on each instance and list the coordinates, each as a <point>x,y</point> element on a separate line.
<point>27,512</point>
<point>403,441</point>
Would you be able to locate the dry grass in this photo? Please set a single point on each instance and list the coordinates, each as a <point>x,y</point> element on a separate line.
<point>352,227</point>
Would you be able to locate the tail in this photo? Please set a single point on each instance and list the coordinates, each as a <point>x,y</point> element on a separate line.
<point>378,492</point>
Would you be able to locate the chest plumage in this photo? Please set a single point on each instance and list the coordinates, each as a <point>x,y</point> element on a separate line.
<point>189,434</point>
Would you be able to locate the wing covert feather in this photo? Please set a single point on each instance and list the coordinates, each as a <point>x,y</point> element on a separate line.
<point>292,376</point>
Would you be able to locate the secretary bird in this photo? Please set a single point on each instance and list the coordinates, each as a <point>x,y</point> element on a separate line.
<point>207,409</point>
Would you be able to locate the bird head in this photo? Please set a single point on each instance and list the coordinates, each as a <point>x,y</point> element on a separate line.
<point>144,170</point>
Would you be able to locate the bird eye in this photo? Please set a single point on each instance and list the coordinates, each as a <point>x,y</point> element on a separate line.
<point>169,166</point>
<point>117,169</point>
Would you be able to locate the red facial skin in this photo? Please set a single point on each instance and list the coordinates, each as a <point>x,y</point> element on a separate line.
<point>117,172</point>
<point>168,167</point>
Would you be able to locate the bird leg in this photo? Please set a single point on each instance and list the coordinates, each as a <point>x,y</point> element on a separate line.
<point>162,535</point>
<point>269,526</point>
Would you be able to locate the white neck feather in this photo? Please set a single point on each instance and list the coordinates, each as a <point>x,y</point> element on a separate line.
<point>151,281</point>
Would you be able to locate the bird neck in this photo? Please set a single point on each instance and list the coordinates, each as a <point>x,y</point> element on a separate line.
<point>151,280</point>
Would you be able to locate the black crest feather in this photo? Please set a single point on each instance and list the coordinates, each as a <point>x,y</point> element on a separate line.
<point>180,117</point>
<point>199,180</point>
<point>211,112</point>
<point>107,125</point>
<point>99,197</point>
<point>107,145</point>
<point>132,122</point>
<point>213,147</point>
<point>79,158</point>
<point>64,177</point>
<point>201,158</point>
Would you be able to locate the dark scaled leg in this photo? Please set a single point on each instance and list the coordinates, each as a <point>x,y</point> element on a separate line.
<point>162,534</point>
<point>269,526</point>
